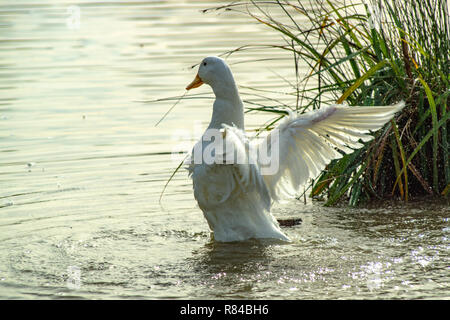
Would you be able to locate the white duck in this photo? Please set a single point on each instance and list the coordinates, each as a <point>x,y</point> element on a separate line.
<point>236,198</point>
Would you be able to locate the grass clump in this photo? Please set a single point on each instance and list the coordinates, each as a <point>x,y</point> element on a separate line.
<point>372,53</point>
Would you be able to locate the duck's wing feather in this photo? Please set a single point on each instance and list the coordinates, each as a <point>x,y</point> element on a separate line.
<point>232,193</point>
<point>302,146</point>
<point>232,173</point>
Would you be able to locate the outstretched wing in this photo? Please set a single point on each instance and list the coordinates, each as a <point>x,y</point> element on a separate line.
<point>302,146</point>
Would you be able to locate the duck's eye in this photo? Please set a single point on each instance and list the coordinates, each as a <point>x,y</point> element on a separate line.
<point>204,63</point>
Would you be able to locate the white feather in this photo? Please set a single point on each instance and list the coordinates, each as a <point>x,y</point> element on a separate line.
<point>307,143</point>
<point>236,197</point>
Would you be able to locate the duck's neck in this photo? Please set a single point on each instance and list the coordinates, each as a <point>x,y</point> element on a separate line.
<point>228,108</point>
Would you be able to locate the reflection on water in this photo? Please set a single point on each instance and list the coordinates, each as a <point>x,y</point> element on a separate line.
<point>82,168</point>
<point>226,258</point>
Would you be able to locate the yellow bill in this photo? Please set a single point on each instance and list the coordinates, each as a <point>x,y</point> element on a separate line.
<point>195,84</point>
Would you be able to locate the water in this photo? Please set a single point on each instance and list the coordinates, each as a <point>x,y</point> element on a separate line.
<point>82,168</point>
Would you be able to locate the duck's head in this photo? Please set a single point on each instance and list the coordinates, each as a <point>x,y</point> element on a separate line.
<point>213,71</point>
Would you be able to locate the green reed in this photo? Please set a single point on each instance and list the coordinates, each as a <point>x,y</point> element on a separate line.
<point>371,53</point>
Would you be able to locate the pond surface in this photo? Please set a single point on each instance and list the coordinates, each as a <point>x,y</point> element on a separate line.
<point>82,168</point>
